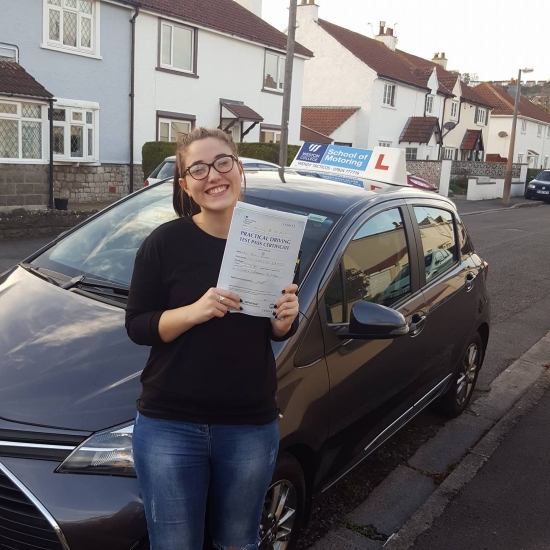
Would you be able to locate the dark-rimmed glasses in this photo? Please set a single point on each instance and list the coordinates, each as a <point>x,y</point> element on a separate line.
<point>201,170</point>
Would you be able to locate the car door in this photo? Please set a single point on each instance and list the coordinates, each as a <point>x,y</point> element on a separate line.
<point>449,286</point>
<point>372,381</point>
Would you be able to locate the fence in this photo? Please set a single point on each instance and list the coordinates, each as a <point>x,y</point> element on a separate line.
<point>489,169</point>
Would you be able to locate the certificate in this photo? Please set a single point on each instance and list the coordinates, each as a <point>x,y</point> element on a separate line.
<point>260,256</point>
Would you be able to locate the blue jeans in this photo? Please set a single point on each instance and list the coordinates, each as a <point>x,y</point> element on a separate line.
<point>180,465</point>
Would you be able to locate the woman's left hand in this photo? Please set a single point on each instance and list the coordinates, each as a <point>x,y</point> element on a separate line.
<point>286,310</point>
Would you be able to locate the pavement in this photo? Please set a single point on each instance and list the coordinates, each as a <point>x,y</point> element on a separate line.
<point>468,208</point>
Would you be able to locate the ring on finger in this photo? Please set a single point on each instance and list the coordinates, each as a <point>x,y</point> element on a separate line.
<point>221,298</point>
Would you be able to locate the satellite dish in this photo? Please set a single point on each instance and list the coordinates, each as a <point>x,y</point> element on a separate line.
<point>449,125</point>
<point>503,134</point>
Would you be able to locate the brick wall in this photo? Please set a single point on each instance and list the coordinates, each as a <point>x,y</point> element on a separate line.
<point>27,186</point>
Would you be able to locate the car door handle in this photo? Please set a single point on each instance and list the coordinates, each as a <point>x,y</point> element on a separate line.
<point>469,284</point>
<point>417,324</point>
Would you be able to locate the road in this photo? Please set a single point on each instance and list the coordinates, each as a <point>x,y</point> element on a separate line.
<point>515,244</point>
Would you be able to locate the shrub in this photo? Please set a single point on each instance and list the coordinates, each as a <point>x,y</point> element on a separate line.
<point>154,152</point>
<point>266,151</point>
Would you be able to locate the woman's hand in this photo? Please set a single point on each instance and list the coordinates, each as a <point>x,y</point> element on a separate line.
<point>286,311</point>
<point>214,303</point>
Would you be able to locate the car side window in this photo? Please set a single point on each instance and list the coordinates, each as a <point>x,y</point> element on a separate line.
<point>464,243</point>
<point>376,261</point>
<point>334,298</point>
<point>438,239</point>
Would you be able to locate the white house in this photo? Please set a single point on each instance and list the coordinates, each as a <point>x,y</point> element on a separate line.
<point>400,100</point>
<point>221,67</point>
<point>532,144</point>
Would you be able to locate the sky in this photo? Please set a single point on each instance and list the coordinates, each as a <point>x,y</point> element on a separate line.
<point>493,38</point>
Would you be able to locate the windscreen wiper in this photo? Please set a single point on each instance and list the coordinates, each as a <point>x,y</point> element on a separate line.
<point>90,284</point>
<point>38,273</point>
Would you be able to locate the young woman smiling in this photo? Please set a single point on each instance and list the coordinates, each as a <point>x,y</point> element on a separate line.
<point>206,428</point>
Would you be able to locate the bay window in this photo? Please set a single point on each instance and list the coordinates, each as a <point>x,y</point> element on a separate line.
<point>21,131</point>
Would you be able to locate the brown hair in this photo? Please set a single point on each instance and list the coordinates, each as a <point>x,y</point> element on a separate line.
<point>183,204</point>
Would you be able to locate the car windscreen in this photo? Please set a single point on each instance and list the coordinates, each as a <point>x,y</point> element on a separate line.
<point>166,171</point>
<point>543,176</point>
<point>106,246</point>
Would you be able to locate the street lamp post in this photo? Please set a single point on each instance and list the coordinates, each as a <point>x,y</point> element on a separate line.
<point>508,173</point>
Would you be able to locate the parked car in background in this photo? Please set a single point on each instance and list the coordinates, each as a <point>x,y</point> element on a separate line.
<point>539,188</point>
<point>420,183</point>
<point>394,315</point>
<point>166,168</point>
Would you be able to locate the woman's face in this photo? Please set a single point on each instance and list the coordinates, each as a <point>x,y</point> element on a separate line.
<point>215,192</point>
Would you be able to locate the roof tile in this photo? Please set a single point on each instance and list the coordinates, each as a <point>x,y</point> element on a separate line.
<point>17,81</point>
<point>419,129</point>
<point>225,16</point>
<point>470,140</point>
<point>326,120</point>
<point>243,112</point>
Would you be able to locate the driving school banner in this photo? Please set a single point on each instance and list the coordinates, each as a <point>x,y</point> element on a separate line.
<point>334,159</point>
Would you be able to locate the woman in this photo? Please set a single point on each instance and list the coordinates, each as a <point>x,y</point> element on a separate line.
<point>206,426</point>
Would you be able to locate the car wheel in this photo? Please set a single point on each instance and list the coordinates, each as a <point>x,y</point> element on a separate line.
<point>457,397</point>
<point>284,506</point>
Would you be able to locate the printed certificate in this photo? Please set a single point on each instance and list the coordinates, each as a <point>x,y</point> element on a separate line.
<point>260,256</point>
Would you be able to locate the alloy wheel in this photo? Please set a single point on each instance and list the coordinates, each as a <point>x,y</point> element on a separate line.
<point>467,375</point>
<point>278,516</point>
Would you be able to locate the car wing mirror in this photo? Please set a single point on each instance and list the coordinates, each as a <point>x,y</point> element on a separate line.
<point>370,321</point>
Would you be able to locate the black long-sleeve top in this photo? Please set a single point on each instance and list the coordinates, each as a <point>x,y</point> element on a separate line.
<point>218,372</point>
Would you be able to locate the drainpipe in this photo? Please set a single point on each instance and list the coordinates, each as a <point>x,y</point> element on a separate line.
<point>132,97</point>
<point>51,154</point>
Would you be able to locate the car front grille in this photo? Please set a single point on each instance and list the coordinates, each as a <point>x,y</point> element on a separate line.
<point>23,526</point>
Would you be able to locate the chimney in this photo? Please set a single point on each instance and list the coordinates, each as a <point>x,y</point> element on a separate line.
<point>387,37</point>
<point>255,6</point>
<point>441,61</point>
<point>308,11</point>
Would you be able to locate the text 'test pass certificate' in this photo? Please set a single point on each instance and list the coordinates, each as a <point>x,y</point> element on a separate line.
<point>260,256</point>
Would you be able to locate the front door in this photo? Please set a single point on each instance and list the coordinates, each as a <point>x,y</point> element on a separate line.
<point>372,381</point>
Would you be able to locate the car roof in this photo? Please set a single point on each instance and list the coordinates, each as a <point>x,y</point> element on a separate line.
<point>320,194</point>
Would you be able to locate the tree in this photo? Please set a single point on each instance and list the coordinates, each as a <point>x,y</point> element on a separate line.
<point>467,77</point>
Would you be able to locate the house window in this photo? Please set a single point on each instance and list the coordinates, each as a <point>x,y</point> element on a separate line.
<point>270,136</point>
<point>177,47</point>
<point>171,130</point>
<point>454,109</point>
<point>343,143</point>
<point>75,135</point>
<point>411,153</point>
<point>520,158</point>
<point>481,116</point>
<point>389,94</point>
<point>21,131</point>
<point>274,71</point>
<point>384,144</point>
<point>546,162</point>
<point>548,131</point>
<point>72,25</point>
<point>450,153</point>
<point>539,130</point>
<point>429,104</point>
<point>523,126</point>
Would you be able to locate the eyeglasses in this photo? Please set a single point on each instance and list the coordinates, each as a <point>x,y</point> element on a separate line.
<point>201,170</point>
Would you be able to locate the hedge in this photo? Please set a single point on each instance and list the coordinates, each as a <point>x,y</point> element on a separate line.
<point>154,152</point>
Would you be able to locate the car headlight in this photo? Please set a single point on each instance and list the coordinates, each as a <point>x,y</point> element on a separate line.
<point>105,453</point>
<point>531,186</point>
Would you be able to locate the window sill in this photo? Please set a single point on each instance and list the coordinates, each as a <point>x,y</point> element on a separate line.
<point>23,161</point>
<point>272,91</point>
<point>77,162</point>
<point>72,52</point>
<point>389,107</point>
<point>174,71</point>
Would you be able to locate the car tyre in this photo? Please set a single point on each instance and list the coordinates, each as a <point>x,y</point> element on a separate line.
<point>284,506</point>
<point>455,400</point>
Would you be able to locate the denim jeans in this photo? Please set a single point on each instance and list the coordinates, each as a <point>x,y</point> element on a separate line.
<point>180,466</point>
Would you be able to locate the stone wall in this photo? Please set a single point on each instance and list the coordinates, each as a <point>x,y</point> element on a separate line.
<point>428,169</point>
<point>490,169</point>
<point>27,185</point>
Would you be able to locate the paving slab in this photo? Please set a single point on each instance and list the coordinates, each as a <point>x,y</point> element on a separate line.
<point>506,389</point>
<point>394,501</point>
<point>451,443</point>
<point>344,539</point>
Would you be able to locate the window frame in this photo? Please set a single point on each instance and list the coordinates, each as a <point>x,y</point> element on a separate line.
<point>539,131</point>
<point>449,153</point>
<point>392,96</point>
<point>429,104</point>
<point>276,131</point>
<point>169,68</point>
<point>85,107</point>
<point>409,153</point>
<point>382,143</point>
<point>454,107</point>
<point>523,126</point>
<point>481,116</point>
<point>277,89</point>
<point>167,116</point>
<point>338,259</point>
<point>20,119</point>
<point>57,45</point>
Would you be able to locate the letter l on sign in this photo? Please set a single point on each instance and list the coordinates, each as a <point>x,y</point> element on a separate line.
<point>379,165</point>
